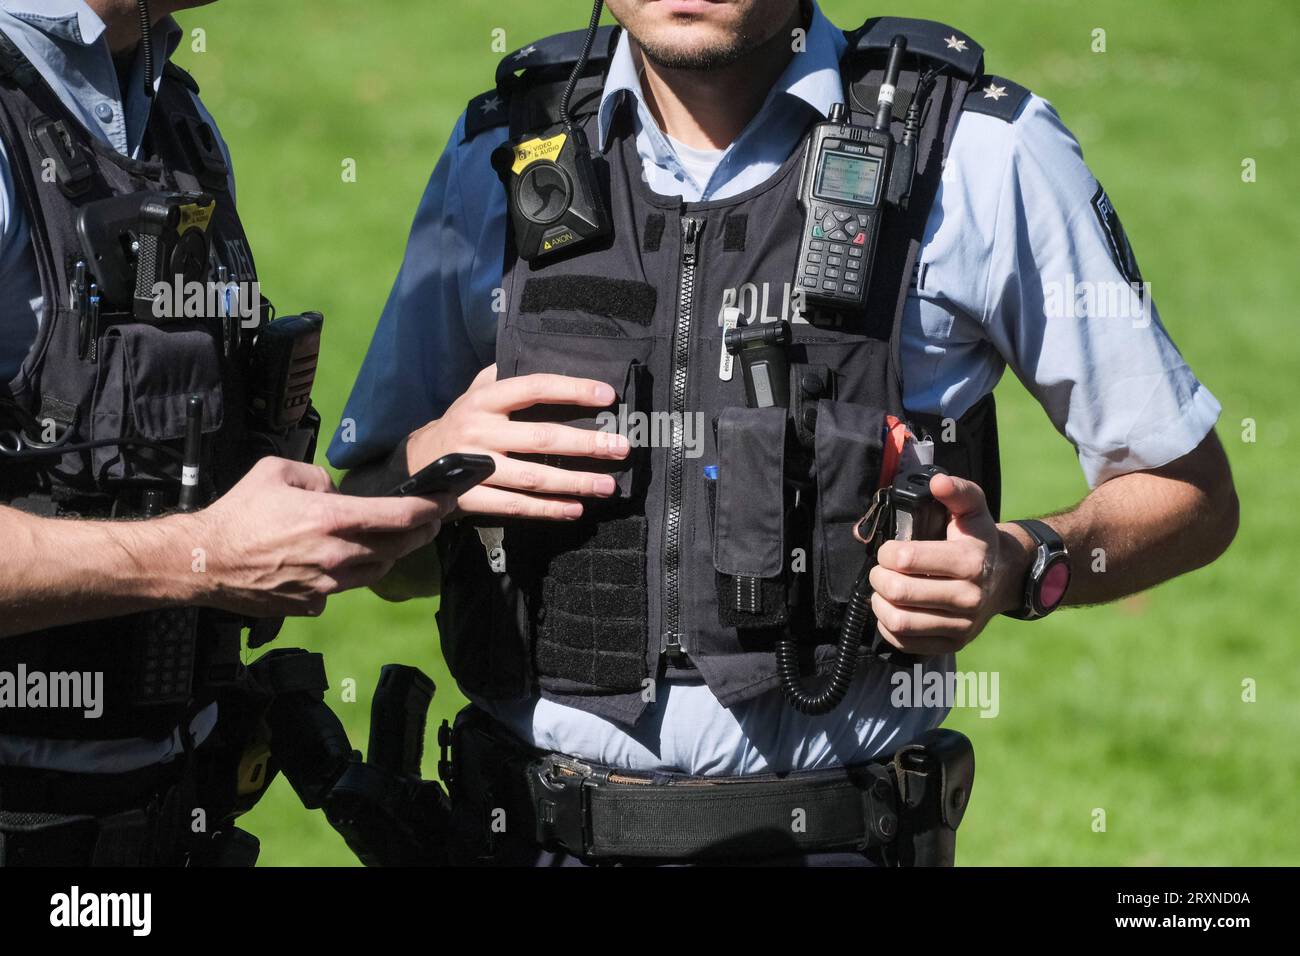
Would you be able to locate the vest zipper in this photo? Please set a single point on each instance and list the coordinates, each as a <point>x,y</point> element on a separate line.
<point>672,639</point>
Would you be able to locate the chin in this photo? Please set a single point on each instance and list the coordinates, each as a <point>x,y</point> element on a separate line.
<point>687,42</point>
<point>699,34</point>
<point>690,44</point>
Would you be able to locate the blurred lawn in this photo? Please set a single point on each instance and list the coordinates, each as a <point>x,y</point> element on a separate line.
<point>1134,708</point>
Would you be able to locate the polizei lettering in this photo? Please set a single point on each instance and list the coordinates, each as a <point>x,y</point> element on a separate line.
<point>766,302</point>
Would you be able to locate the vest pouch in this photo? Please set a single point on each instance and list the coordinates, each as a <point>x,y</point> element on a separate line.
<point>750,511</point>
<point>629,416</point>
<point>583,583</point>
<point>145,375</point>
<point>847,456</point>
<point>482,623</point>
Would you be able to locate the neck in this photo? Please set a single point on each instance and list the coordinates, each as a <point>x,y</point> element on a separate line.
<point>708,109</point>
<point>122,21</point>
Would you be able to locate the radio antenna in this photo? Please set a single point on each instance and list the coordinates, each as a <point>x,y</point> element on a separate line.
<point>888,86</point>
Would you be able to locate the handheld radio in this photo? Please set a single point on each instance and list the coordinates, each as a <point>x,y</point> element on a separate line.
<point>283,370</point>
<point>846,173</point>
<point>551,187</point>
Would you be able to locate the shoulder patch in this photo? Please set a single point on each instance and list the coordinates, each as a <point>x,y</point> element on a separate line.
<point>485,111</point>
<point>172,71</point>
<point>562,49</point>
<point>938,41</point>
<point>996,96</point>
<point>1120,249</point>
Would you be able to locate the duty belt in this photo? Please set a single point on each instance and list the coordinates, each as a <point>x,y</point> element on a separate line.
<point>594,812</point>
<point>138,818</point>
<point>907,806</point>
<point>138,837</point>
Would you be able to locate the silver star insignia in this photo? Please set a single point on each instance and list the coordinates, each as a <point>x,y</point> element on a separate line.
<point>525,52</point>
<point>995,92</point>
<point>492,105</point>
<point>955,44</point>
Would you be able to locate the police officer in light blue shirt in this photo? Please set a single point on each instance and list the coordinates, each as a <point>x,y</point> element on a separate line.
<point>1019,251</point>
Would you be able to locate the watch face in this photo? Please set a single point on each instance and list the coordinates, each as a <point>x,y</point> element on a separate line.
<point>1052,584</point>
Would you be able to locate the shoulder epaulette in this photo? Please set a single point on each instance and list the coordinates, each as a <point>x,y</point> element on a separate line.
<point>936,41</point>
<point>562,49</point>
<point>551,58</point>
<point>485,111</point>
<point>996,96</point>
<point>174,72</point>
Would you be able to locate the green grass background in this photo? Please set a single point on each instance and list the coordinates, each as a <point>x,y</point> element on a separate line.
<point>1134,708</point>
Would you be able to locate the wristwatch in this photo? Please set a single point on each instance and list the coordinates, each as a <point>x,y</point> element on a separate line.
<point>1048,576</point>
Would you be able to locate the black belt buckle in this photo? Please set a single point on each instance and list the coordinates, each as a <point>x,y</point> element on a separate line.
<point>560,804</point>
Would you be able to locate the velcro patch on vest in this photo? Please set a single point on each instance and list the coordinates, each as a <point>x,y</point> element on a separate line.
<point>599,297</point>
<point>620,567</point>
<point>654,232</point>
<point>594,615</point>
<point>733,233</point>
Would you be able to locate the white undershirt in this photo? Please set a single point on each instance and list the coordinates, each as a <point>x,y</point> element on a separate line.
<point>698,163</point>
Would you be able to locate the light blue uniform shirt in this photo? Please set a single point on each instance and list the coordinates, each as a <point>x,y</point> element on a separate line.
<point>64,39</point>
<point>1012,247</point>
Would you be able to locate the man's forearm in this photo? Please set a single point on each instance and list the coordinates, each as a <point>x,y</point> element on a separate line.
<point>60,571</point>
<point>1138,530</point>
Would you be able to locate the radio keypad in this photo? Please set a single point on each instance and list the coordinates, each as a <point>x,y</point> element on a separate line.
<point>839,235</point>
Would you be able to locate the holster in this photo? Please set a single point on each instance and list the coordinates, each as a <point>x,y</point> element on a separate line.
<point>933,775</point>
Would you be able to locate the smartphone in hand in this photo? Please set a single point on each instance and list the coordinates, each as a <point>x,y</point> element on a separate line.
<point>454,474</point>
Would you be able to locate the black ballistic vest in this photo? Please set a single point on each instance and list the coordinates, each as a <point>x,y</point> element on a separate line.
<point>680,575</point>
<point>132,382</point>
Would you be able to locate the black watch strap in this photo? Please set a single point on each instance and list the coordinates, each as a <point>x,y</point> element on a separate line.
<point>1042,533</point>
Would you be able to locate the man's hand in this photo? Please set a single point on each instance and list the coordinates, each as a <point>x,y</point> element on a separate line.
<point>934,597</point>
<point>283,539</point>
<point>479,422</point>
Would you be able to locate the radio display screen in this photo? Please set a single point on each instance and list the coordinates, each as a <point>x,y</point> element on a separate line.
<point>845,178</point>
